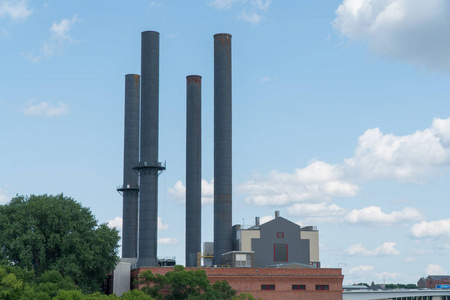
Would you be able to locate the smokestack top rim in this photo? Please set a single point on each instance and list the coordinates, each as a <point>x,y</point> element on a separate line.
<point>129,75</point>
<point>222,34</point>
<point>149,31</point>
<point>193,76</point>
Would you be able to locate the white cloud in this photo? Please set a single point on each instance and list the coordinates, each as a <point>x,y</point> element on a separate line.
<point>222,4</point>
<point>178,191</point>
<point>410,158</point>
<point>266,219</point>
<point>250,11</point>
<point>265,79</point>
<point>409,259</point>
<point>317,182</point>
<point>433,229</point>
<point>6,194</point>
<point>61,30</point>
<point>250,16</point>
<point>406,158</point>
<point>115,223</point>
<point>168,241</point>
<point>161,225</point>
<point>387,248</point>
<point>435,270</point>
<point>45,109</point>
<point>413,31</point>
<point>373,215</point>
<point>315,210</point>
<point>360,270</point>
<point>59,36</point>
<point>207,192</point>
<point>14,9</point>
<point>261,5</point>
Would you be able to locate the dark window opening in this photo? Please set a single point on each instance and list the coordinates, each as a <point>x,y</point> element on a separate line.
<point>280,252</point>
<point>267,286</point>
<point>322,287</point>
<point>299,287</point>
<point>280,235</point>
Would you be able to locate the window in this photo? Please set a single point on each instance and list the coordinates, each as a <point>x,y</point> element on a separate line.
<point>243,261</point>
<point>280,235</point>
<point>267,286</point>
<point>322,287</point>
<point>298,287</point>
<point>280,252</point>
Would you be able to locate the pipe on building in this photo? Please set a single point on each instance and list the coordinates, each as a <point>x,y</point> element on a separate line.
<point>222,147</point>
<point>193,168</point>
<point>149,166</point>
<point>130,187</point>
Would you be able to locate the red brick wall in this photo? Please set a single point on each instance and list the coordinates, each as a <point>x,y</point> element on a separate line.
<point>431,284</point>
<point>249,280</point>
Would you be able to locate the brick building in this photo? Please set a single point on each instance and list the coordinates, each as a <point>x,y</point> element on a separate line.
<point>434,281</point>
<point>274,283</point>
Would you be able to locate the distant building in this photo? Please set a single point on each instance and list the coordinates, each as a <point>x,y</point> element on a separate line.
<point>434,282</point>
<point>278,241</point>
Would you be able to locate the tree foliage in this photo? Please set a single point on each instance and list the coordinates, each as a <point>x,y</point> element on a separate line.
<point>182,284</point>
<point>20,284</point>
<point>57,233</point>
<point>401,286</point>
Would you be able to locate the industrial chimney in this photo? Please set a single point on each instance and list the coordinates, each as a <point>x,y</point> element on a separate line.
<point>222,146</point>
<point>193,168</point>
<point>149,167</point>
<point>130,187</point>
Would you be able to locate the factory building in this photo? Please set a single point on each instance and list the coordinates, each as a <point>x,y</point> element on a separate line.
<point>273,283</point>
<point>275,260</point>
<point>277,242</point>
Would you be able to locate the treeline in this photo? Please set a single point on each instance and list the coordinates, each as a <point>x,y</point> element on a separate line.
<point>20,284</point>
<point>53,248</point>
<point>391,286</point>
<point>401,286</point>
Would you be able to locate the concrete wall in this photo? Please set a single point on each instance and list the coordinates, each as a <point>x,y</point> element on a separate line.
<point>122,278</point>
<point>313,237</point>
<point>245,241</point>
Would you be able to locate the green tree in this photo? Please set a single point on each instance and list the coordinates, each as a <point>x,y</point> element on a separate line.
<point>182,284</point>
<point>57,233</point>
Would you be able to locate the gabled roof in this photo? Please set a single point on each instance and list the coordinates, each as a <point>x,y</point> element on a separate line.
<point>438,277</point>
<point>278,221</point>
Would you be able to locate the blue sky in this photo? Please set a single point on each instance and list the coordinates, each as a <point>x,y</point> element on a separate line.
<point>341,117</point>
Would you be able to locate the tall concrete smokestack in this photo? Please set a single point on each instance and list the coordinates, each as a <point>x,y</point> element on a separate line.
<point>193,168</point>
<point>222,146</point>
<point>149,167</point>
<point>130,187</point>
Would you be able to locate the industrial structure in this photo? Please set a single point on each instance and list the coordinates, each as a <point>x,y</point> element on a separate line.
<point>130,187</point>
<point>275,260</point>
<point>143,231</point>
<point>277,242</point>
<point>140,193</point>
<point>272,283</point>
<point>222,146</point>
<point>193,169</point>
